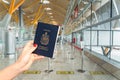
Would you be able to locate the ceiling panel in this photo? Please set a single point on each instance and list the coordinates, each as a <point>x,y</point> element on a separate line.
<point>30,9</point>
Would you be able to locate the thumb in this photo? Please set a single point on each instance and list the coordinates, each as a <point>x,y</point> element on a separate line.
<point>30,47</point>
<point>33,47</point>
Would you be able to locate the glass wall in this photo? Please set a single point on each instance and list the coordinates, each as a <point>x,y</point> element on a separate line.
<point>68,38</point>
<point>102,38</point>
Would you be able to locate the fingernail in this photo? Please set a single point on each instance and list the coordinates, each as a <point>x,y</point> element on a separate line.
<point>34,45</point>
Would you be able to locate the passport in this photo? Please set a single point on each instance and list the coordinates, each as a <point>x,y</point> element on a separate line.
<point>45,38</point>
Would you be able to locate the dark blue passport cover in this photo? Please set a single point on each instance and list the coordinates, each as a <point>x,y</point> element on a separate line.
<point>45,38</point>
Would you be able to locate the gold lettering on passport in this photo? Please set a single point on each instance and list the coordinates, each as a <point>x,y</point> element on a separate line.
<point>47,30</point>
<point>43,48</point>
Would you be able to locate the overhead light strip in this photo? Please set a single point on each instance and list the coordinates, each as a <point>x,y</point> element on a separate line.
<point>50,13</point>
<point>45,1</point>
<point>5,1</point>
<point>48,9</point>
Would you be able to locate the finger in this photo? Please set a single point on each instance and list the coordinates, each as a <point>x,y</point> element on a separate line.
<point>33,47</point>
<point>30,42</point>
<point>37,57</point>
<point>30,47</point>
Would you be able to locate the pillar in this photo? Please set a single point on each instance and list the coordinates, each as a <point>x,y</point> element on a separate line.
<point>8,36</point>
<point>10,42</point>
<point>21,25</point>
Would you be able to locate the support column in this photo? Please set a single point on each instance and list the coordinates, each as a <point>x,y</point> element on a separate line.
<point>8,37</point>
<point>111,33</point>
<point>31,29</point>
<point>2,44</point>
<point>82,52</point>
<point>62,35</point>
<point>21,25</point>
<point>8,33</point>
<point>10,42</point>
<point>91,28</point>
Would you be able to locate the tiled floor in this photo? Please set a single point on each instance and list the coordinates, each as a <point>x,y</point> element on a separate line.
<point>65,59</point>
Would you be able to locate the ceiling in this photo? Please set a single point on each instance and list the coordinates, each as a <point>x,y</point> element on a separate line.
<point>32,8</point>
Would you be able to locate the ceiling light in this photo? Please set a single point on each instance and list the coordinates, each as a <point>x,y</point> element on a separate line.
<point>50,13</point>
<point>5,1</point>
<point>28,16</point>
<point>24,13</point>
<point>117,28</point>
<point>41,0</point>
<point>81,9</point>
<point>54,22</point>
<point>45,1</point>
<point>85,2</point>
<point>48,9</point>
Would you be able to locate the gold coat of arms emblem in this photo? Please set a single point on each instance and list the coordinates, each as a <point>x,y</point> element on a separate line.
<point>45,39</point>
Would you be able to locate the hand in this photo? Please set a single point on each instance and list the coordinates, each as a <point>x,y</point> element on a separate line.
<point>27,57</point>
<point>23,63</point>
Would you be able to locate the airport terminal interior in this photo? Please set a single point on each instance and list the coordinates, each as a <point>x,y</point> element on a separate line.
<point>88,42</point>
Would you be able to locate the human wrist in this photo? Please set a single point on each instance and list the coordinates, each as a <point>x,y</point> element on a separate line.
<point>18,67</point>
